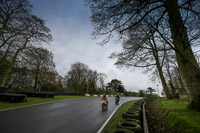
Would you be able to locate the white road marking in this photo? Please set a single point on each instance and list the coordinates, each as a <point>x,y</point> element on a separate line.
<point>103,126</point>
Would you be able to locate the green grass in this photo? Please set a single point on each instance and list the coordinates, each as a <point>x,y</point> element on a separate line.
<point>179,116</point>
<point>34,100</point>
<point>118,116</point>
<point>183,96</point>
<point>172,105</point>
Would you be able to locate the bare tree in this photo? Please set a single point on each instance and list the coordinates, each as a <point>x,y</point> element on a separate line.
<point>40,61</point>
<point>102,77</point>
<point>34,68</point>
<point>170,18</point>
<point>19,30</point>
<point>81,79</point>
<point>77,77</point>
<point>11,12</point>
<point>149,54</point>
<point>92,79</point>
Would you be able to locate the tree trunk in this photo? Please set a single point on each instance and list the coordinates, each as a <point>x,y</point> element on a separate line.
<point>164,84</point>
<point>36,82</point>
<point>189,69</point>
<point>37,77</point>
<point>159,68</point>
<point>172,88</point>
<point>170,77</point>
<point>182,85</point>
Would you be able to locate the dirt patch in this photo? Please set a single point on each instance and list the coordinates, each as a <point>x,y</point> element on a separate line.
<point>157,124</point>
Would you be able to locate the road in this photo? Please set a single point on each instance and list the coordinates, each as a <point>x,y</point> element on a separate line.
<point>69,116</point>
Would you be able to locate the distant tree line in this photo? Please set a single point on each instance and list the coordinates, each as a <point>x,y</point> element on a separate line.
<point>81,79</point>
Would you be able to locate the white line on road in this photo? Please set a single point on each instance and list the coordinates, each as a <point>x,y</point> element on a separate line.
<point>103,126</point>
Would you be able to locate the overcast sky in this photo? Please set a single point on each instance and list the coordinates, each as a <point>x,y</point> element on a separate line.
<point>71,30</point>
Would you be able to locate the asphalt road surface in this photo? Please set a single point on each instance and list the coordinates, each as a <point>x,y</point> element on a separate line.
<point>69,116</point>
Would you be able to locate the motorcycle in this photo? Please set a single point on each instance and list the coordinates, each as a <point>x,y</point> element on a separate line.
<point>116,100</point>
<point>104,105</point>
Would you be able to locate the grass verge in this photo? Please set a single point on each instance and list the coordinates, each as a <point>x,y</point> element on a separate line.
<point>34,100</point>
<point>178,116</point>
<point>118,116</point>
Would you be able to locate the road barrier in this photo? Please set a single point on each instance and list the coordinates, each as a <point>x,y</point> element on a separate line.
<point>68,94</point>
<point>95,95</point>
<point>132,119</point>
<point>36,94</point>
<point>2,89</point>
<point>145,126</point>
<point>98,95</point>
<point>47,94</point>
<point>8,97</point>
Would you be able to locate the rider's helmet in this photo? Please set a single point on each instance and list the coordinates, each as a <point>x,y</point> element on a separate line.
<point>104,95</point>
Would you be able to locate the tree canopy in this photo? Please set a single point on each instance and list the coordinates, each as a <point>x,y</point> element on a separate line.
<point>116,86</point>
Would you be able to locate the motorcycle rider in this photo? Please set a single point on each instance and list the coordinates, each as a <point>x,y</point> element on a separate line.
<point>117,97</point>
<point>104,98</point>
